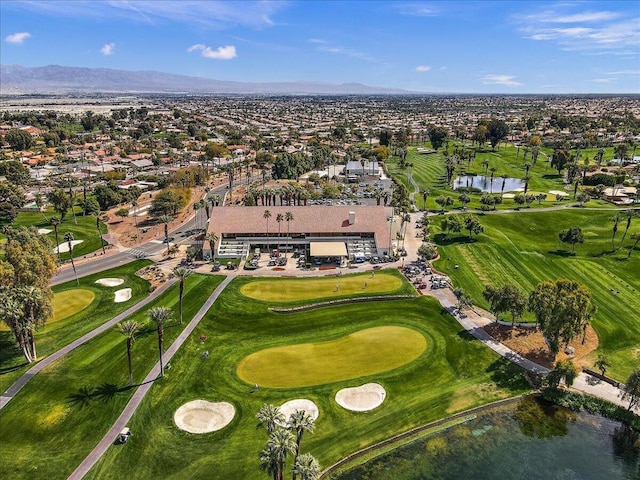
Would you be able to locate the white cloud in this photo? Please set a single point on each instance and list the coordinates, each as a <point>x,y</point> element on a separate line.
<point>423,68</point>
<point>108,48</point>
<point>506,80</point>
<point>616,33</point>
<point>624,72</point>
<point>348,52</point>
<point>215,14</point>
<point>604,80</point>
<point>416,9</point>
<point>17,38</point>
<point>317,40</point>
<point>221,53</point>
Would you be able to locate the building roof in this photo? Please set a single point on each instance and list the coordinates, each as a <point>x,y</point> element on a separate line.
<point>328,249</point>
<point>313,219</point>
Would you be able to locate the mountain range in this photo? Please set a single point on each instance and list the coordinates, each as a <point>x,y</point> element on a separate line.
<point>57,79</point>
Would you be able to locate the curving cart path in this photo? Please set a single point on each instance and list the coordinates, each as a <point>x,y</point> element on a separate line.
<point>144,387</point>
<point>44,363</point>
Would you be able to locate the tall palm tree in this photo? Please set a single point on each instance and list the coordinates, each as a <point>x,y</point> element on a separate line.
<point>267,216</point>
<point>39,199</point>
<point>166,219</point>
<point>182,274</point>
<point>36,311</point>
<point>270,416</point>
<point>55,221</point>
<point>280,444</point>
<point>12,313</point>
<point>288,216</point>
<point>134,206</point>
<point>160,315</point>
<point>212,238</point>
<point>636,237</point>
<point>269,462</point>
<point>307,467</point>
<point>279,219</point>
<point>630,214</point>
<point>99,232</point>
<point>299,422</point>
<point>129,328</point>
<point>615,220</point>
<point>69,239</point>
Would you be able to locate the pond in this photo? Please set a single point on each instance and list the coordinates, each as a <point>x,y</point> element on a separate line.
<point>530,439</point>
<point>483,183</point>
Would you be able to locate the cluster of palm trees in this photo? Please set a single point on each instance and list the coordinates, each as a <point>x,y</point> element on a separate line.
<point>285,438</point>
<point>158,316</point>
<point>288,217</point>
<point>630,214</point>
<point>291,194</point>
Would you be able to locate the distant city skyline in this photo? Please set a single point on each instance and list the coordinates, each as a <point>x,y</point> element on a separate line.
<point>433,46</point>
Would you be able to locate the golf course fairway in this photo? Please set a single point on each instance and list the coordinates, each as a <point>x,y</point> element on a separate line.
<point>365,352</point>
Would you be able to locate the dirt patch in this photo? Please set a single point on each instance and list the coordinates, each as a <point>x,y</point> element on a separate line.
<point>530,343</point>
<point>154,275</point>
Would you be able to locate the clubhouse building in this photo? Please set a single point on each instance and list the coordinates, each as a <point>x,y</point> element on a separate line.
<point>351,232</point>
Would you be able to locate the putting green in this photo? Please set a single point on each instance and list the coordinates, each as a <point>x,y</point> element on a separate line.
<point>294,289</point>
<point>360,354</point>
<point>66,304</point>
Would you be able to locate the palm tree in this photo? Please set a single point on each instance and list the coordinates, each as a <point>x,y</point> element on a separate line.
<point>165,219</point>
<point>36,312</point>
<point>134,206</point>
<point>160,315</point>
<point>269,462</point>
<point>39,199</point>
<point>12,313</point>
<point>270,416</point>
<point>181,273</point>
<point>299,422</point>
<point>307,467</point>
<point>212,238</point>
<point>267,216</point>
<point>129,328</point>
<point>636,237</point>
<point>493,171</point>
<point>281,443</point>
<point>425,195</point>
<point>615,220</point>
<point>630,214</point>
<point>288,216</point>
<point>99,232</point>
<point>55,221</point>
<point>279,219</point>
<point>69,239</point>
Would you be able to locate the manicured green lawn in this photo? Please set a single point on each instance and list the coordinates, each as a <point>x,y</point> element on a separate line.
<point>453,373</point>
<point>285,290</point>
<point>363,353</point>
<point>85,230</point>
<point>55,335</point>
<point>523,248</point>
<point>429,173</point>
<point>58,417</point>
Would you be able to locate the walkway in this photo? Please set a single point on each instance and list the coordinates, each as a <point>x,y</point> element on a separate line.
<point>144,387</point>
<point>42,364</point>
<point>584,383</point>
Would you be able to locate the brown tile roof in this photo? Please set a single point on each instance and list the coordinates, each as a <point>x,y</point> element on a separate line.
<point>310,220</point>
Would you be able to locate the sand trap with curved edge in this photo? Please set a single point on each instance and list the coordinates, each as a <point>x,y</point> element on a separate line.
<point>44,231</point>
<point>559,193</point>
<point>201,416</point>
<point>64,247</point>
<point>109,282</point>
<point>122,295</point>
<point>361,399</point>
<point>292,406</point>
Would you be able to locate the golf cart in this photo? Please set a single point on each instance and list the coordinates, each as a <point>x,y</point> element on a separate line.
<point>124,435</point>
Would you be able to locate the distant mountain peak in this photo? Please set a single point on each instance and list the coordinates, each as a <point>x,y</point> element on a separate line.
<point>51,79</point>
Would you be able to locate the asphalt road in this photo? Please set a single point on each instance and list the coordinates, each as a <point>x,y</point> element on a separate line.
<point>153,247</point>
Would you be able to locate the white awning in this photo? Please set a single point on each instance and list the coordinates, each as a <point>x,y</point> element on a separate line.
<point>328,249</point>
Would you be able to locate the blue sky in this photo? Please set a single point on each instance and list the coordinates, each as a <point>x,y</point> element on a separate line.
<point>432,46</point>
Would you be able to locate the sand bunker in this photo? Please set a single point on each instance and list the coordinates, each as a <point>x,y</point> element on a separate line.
<point>558,193</point>
<point>122,295</point>
<point>64,247</point>
<point>361,399</point>
<point>110,282</point>
<point>292,406</point>
<point>509,195</point>
<point>44,231</point>
<point>200,416</point>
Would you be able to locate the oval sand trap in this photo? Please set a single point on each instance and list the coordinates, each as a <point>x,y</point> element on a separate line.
<point>292,406</point>
<point>64,247</point>
<point>361,399</point>
<point>200,416</point>
<point>44,231</point>
<point>122,295</point>
<point>110,282</point>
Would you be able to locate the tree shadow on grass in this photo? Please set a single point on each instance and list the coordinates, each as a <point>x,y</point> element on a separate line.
<point>562,253</point>
<point>104,392</point>
<point>442,239</point>
<point>506,374</point>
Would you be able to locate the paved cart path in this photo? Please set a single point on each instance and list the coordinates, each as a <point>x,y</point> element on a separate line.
<point>45,362</point>
<point>110,437</point>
